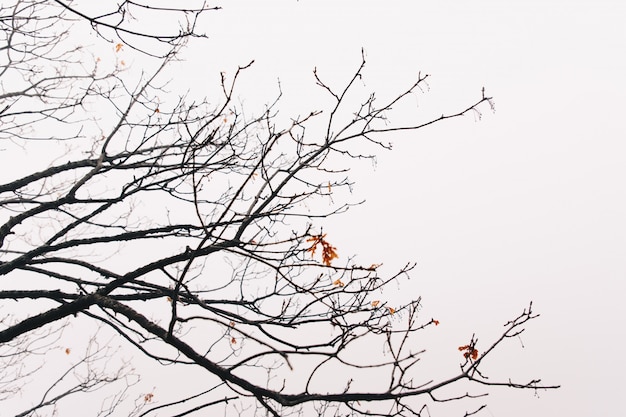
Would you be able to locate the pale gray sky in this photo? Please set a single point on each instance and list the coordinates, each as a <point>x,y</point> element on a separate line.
<point>527,204</point>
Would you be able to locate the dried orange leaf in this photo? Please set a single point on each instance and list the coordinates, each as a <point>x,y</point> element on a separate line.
<point>148,397</point>
<point>67,351</point>
<point>436,322</point>
<point>233,340</point>
<point>118,47</point>
<point>329,252</point>
<point>339,283</point>
<point>391,310</point>
<point>375,303</point>
<point>471,352</point>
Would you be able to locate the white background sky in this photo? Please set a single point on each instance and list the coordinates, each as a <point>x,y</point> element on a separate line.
<point>526,204</point>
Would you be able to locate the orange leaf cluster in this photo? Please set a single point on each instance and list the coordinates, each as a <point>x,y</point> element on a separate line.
<point>470,352</point>
<point>339,283</point>
<point>118,47</point>
<point>436,322</point>
<point>391,310</point>
<point>148,397</point>
<point>328,251</point>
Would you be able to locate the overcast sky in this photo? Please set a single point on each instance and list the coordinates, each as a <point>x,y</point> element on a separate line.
<point>526,204</point>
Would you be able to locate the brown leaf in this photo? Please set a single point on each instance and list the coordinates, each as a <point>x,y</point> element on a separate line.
<point>329,252</point>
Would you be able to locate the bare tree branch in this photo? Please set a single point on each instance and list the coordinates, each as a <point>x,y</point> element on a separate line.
<point>189,233</point>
